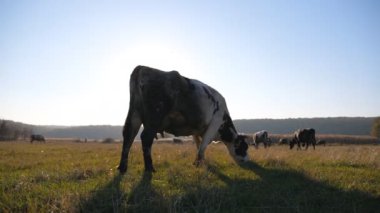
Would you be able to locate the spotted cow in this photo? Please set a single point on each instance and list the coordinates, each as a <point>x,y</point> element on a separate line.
<point>303,137</point>
<point>261,137</point>
<point>169,102</point>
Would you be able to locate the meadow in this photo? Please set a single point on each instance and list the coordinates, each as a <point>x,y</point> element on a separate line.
<point>64,176</point>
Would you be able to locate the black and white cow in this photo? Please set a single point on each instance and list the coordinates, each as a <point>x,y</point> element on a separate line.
<point>283,141</point>
<point>261,137</point>
<point>321,142</point>
<point>37,138</point>
<point>166,101</point>
<point>303,137</point>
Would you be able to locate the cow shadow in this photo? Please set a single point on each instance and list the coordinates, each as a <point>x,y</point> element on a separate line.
<point>108,198</point>
<point>286,190</point>
<point>112,197</point>
<point>145,198</point>
<point>273,190</point>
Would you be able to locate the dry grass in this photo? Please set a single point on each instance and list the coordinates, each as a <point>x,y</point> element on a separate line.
<point>68,176</point>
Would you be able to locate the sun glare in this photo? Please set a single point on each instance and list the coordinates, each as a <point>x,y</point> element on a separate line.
<point>160,55</point>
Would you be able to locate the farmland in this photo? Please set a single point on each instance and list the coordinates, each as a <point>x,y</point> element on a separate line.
<point>82,177</point>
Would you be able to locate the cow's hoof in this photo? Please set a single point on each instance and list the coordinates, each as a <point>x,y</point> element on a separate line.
<point>122,169</point>
<point>198,163</point>
<point>150,170</point>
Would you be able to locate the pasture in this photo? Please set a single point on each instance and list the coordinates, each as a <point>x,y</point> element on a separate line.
<point>82,177</point>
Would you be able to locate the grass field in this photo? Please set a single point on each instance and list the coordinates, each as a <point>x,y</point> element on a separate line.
<point>81,177</point>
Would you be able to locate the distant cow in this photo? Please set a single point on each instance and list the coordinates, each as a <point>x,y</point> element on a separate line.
<point>166,101</point>
<point>37,138</point>
<point>283,141</point>
<point>261,137</point>
<point>303,137</point>
<point>177,140</point>
<point>321,142</point>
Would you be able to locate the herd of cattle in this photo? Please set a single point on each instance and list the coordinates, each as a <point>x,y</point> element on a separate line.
<point>301,138</point>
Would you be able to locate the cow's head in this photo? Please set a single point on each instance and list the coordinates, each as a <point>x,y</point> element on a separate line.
<point>292,143</point>
<point>312,132</point>
<point>238,148</point>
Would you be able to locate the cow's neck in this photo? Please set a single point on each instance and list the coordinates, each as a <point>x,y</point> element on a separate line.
<point>227,131</point>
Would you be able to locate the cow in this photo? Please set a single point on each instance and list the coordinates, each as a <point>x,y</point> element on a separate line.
<point>169,102</point>
<point>261,137</point>
<point>283,141</point>
<point>37,138</point>
<point>177,140</point>
<point>321,142</point>
<point>304,137</point>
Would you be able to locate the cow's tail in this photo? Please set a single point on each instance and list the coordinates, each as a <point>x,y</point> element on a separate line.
<point>134,80</point>
<point>135,87</point>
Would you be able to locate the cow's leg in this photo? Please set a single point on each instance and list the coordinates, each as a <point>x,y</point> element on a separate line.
<point>256,142</point>
<point>207,137</point>
<point>130,130</point>
<point>197,141</point>
<point>147,137</point>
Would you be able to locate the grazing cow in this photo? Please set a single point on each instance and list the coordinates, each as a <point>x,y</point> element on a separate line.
<point>283,141</point>
<point>166,101</point>
<point>321,142</point>
<point>177,140</point>
<point>37,138</point>
<point>261,137</point>
<point>304,137</point>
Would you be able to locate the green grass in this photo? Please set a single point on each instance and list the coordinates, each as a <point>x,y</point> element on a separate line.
<point>79,177</point>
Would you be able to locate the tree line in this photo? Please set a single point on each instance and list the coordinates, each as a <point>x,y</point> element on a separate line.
<point>10,130</point>
<point>375,131</point>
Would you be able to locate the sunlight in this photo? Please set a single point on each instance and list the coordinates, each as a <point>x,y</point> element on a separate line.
<point>114,71</point>
<point>161,55</point>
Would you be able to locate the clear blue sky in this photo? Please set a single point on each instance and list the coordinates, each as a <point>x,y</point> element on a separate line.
<point>68,62</point>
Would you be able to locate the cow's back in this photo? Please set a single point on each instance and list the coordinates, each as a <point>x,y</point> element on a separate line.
<point>305,134</point>
<point>173,99</point>
<point>148,83</point>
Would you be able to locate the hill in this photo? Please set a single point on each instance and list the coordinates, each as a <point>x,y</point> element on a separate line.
<point>91,132</point>
<point>332,125</point>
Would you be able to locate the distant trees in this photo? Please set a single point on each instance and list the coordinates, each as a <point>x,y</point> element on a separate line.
<point>375,131</point>
<point>10,130</point>
<point>4,132</point>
